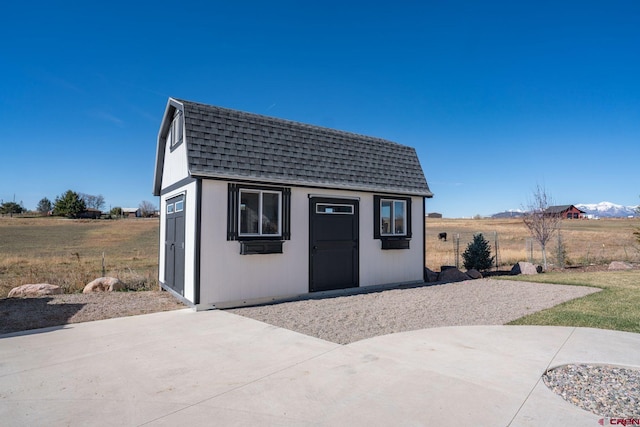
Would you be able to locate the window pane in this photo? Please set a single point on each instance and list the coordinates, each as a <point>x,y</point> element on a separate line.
<point>170,208</point>
<point>270,213</point>
<point>398,216</point>
<point>249,209</point>
<point>385,217</point>
<point>179,206</point>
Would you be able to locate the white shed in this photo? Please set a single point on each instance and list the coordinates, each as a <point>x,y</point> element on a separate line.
<point>255,208</point>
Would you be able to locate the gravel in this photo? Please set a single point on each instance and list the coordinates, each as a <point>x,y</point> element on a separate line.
<point>608,391</point>
<point>346,319</point>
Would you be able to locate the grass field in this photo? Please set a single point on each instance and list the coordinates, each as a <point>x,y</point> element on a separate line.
<point>617,306</point>
<point>69,253</point>
<point>586,241</point>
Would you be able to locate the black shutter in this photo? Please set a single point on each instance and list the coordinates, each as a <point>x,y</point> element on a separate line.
<point>286,214</point>
<point>376,216</point>
<point>232,212</point>
<point>408,217</point>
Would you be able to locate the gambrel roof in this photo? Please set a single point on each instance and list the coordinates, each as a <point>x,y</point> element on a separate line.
<point>561,209</point>
<point>229,144</point>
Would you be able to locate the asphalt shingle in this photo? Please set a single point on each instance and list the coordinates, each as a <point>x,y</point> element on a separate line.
<point>229,143</point>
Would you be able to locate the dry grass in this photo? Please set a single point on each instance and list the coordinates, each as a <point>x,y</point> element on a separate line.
<point>69,253</point>
<point>586,241</point>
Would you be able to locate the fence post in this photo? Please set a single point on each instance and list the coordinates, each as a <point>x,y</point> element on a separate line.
<point>456,248</point>
<point>495,236</point>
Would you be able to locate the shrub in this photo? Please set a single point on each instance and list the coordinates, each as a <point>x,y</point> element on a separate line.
<point>478,254</point>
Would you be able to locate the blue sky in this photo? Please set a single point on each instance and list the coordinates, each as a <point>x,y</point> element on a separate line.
<point>496,96</point>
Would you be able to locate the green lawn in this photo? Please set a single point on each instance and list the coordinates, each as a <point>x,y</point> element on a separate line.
<point>617,306</point>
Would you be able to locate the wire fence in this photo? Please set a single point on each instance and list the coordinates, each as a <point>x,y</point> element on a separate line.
<point>507,250</point>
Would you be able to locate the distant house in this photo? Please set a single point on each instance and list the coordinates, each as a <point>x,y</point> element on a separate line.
<point>565,211</point>
<point>255,208</point>
<point>90,213</point>
<point>434,215</point>
<point>131,212</point>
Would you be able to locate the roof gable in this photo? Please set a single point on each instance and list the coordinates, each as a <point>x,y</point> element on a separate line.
<point>224,143</point>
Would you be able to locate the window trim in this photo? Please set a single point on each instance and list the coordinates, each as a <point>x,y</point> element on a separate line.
<point>350,210</point>
<point>391,241</point>
<point>233,213</point>
<point>260,193</point>
<point>175,136</point>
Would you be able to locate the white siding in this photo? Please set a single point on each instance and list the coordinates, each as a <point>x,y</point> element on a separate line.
<point>175,165</point>
<point>228,276</point>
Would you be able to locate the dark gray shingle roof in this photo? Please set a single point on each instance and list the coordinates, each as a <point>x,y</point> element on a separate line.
<point>559,209</point>
<point>234,144</point>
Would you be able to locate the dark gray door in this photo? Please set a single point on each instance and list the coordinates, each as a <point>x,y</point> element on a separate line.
<point>333,239</point>
<point>174,244</point>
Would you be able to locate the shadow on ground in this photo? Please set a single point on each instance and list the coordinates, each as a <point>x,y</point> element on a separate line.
<point>23,314</point>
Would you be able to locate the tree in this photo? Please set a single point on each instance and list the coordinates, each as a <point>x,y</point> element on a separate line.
<point>147,209</point>
<point>478,254</point>
<point>70,204</point>
<point>11,208</point>
<point>93,202</point>
<point>540,223</point>
<point>117,211</point>
<point>44,206</point>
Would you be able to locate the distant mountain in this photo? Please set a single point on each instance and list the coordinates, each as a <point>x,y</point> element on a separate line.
<point>599,210</point>
<point>517,213</point>
<point>607,210</point>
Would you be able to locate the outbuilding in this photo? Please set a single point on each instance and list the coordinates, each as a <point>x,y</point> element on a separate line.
<point>565,211</point>
<point>256,208</point>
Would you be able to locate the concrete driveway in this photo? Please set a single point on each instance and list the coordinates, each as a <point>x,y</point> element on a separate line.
<point>217,368</point>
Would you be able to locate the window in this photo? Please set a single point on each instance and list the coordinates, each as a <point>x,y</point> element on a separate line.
<point>258,213</point>
<point>392,221</point>
<point>334,209</point>
<point>175,131</point>
<point>392,217</point>
<point>180,206</point>
<point>170,208</point>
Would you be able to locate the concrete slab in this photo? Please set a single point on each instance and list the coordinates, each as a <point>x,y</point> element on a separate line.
<point>215,367</point>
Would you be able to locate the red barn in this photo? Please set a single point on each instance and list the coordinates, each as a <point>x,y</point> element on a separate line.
<point>565,211</point>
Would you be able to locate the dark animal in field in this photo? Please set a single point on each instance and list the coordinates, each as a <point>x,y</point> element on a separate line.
<point>442,236</point>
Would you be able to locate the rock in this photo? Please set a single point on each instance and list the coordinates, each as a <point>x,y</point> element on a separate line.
<point>452,275</point>
<point>525,268</point>
<point>430,276</point>
<point>620,265</point>
<point>34,290</point>
<point>474,274</point>
<point>446,267</point>
<point>104,284</point>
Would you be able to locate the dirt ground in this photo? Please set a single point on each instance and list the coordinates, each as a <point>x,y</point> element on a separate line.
<point>21,314</point>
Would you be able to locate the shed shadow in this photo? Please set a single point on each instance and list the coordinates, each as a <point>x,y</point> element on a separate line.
<point>23,316</point>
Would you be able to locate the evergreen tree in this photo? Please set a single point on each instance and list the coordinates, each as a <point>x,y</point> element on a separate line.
<point>44,206</point>
<point>69,204</point>
<point>478,254</point>
<point>11,208</point>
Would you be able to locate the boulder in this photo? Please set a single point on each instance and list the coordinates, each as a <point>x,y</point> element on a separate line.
<point>430,276</point>
<point>452,275</point>
<point>474,274</point>
<point>34,290</point>
<point>525,268</point>
<point>104,284</point>
<point>620,265</point>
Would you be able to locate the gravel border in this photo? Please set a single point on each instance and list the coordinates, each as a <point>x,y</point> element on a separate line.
<point>608,391</point>
<point>346,319</point>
